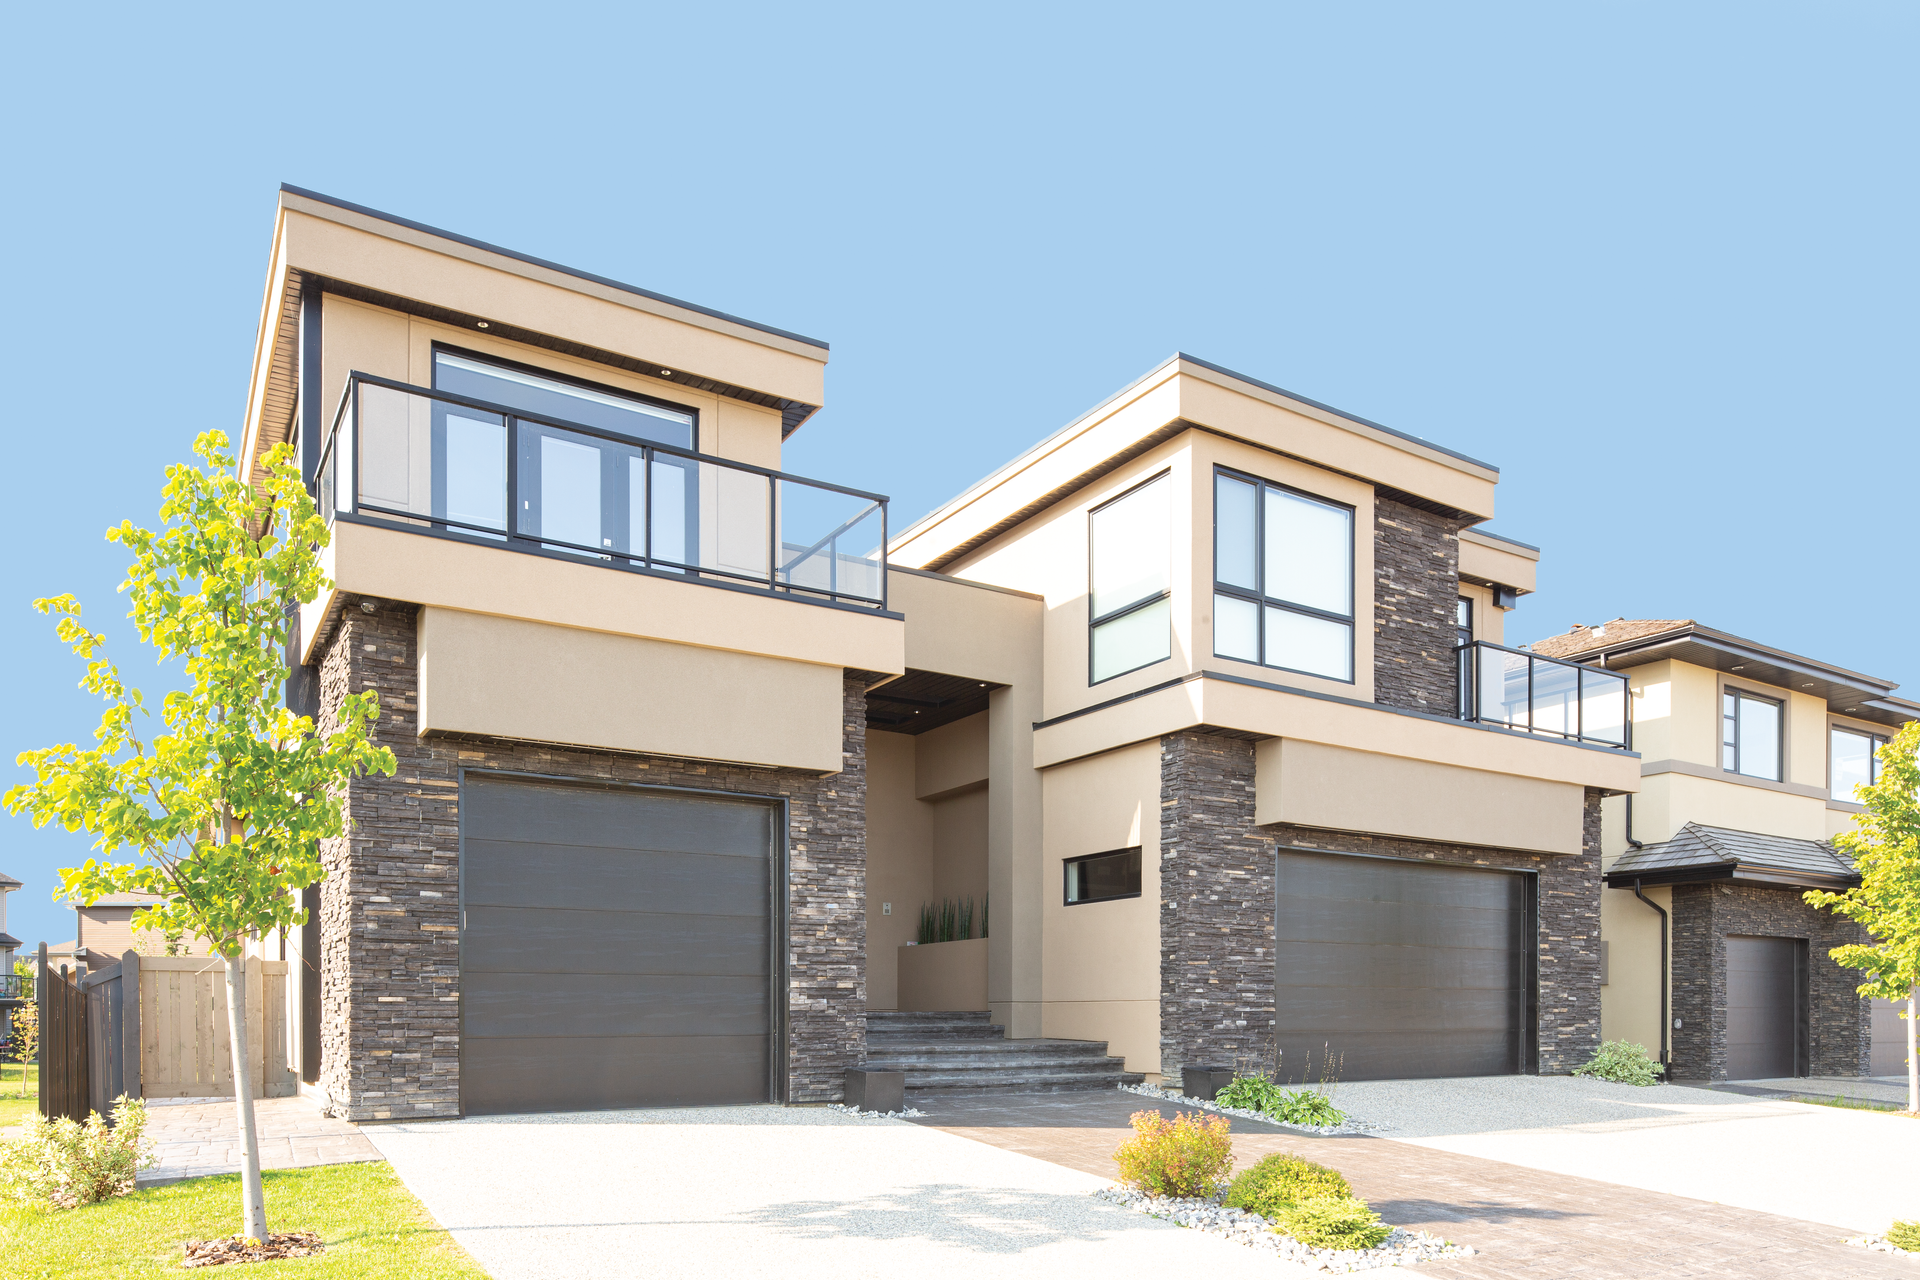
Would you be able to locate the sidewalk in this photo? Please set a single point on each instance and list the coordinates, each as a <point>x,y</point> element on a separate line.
<point>195,1139</point>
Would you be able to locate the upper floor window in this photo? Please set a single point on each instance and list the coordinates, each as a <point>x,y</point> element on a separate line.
<point>1855,762</point>
<point>528,391</point>
<point>1463,621</point>
<point>1283,578</point>
<point>1750,735</point>
<point>1129,606</point>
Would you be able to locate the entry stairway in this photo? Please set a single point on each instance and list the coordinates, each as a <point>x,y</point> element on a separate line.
<point>960,1053</point>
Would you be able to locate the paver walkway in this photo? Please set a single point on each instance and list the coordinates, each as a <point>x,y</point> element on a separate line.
<point>1882,1089</point>
<point>195,1139</point>
<point>1524,1222</point>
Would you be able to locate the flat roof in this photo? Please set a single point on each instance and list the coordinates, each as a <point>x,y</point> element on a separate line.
<point>472,243</point>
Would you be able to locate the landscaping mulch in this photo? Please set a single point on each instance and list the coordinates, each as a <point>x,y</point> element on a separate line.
<point>278,1244</point>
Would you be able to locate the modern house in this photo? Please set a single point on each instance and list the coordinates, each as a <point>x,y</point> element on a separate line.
<point>685,742</point>
<point>1749,756</point>
<point>103,932</point>
<point>8,943</point>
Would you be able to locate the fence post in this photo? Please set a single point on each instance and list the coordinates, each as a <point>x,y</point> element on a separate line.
<point>42,994</point>
<point>130,1024</point>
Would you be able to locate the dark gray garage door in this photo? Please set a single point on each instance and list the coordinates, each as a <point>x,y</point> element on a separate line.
<point>1765,1007</point>
<point>615,948</point>
<point>1401,969</point>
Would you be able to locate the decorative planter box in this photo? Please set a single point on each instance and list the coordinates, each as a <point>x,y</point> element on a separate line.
<point>944,977</point>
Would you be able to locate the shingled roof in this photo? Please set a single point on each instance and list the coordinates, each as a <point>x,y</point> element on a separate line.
<point>1701,852</point>
<point>1580,639</point>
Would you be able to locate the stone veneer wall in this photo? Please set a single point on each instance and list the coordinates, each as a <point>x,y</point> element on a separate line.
<point>1703,916</point>
<point>390,970</point>
<point>1416,573</point>
<point>1217,893</point>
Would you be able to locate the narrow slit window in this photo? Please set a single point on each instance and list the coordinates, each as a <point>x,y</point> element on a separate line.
<point>1103,877</point>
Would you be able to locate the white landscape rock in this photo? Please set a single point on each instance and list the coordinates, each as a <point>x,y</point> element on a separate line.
<point>1349,1125</point>
<point>909,1114</point>
<point>1402,1248</point>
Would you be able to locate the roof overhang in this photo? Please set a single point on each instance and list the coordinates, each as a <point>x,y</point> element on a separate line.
<point>1732,873</point>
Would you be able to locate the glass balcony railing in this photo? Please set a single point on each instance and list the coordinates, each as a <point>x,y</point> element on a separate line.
<point>1535,694</point>
<point>453,465</point>
<point>14,986</point>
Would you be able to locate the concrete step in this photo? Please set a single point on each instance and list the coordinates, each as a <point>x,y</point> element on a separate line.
<point>985,1053</point>
<point>937,1083</point>
<point>961,1053</point>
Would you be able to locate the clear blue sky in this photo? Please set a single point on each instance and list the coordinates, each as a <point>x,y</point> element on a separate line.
<point>1656,261</point>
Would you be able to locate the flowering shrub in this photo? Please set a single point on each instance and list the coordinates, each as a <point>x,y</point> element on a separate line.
<point>1333,1222</point>
<point>1288,1106</point>
<point>1283,1180</point>
<point>1622,1062</point>
<point>1188,1156</point>
<point>65,1163</point>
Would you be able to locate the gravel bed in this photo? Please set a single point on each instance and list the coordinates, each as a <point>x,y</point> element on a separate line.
<point>1349,1125</point>
<point>1880,1244</point>
<point>1402,1248</point>
<point>845,1110</point>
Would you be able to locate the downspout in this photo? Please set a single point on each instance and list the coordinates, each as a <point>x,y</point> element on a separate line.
<point>1664,1056</point>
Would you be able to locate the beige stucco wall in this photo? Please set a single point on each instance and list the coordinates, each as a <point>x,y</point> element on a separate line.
<point>1102,974</point>
<point>1495,561</point>
<point>899,859</point>
<point>1312,784</point>
<point>943,976</point>
<point>397,565</point>
<point>951,759</point>
<point>960,847</point>
<point>961,628</point>
<point>509,678</point>
<point>1630,1001</point>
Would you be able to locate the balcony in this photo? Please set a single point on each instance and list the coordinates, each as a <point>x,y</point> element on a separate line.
<point>452,466</point>
<point>15,987</point>
<point>1515,689</point>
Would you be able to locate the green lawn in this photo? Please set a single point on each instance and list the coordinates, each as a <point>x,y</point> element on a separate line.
<point>371,1224</point>
<point>1848,1104</point>
<point>13,1108</point>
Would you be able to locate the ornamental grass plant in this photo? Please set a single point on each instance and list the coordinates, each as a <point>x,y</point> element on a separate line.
<point>1186,1157</point>
<point>1289,1106</point>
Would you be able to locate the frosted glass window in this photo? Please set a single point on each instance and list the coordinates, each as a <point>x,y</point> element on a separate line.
<point>1130,549</point>
<point>1235,537</point>
<point>1309,552</point>
<point>1132,640</point>
<point>1302,642</point>
<point>1236,628</point>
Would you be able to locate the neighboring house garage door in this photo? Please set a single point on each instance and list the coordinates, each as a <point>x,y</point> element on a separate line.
<point>615,947</point>
<point>1766,1000</point>
<point>1396,969</point>
<point>1889,1038</point>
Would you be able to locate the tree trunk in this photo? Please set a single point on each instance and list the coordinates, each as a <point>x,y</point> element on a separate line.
<point>253,1209</point>
<point>1913,1059</point>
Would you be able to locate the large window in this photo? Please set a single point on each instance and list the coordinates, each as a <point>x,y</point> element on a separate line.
<point>1283,578</point>
<point>1750,735</point>
<point>1129,609</point>
<point>524,389</point>
<point>1854,762</point>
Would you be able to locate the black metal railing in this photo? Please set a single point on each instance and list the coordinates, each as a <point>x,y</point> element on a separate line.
<point>15,986</point>
<point>1537,694</point>
<point>455,465</point>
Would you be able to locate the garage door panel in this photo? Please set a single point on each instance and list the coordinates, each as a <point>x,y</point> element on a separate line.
<point>587,1073</point>
<point>526,812</point>
<point>1889,1031</point>
<point>538,940</point>
<point>1763,983</point>
<point>504,874</point>
<point>1400,968</point>
<point>615,949</point>
<point>599,1004</point>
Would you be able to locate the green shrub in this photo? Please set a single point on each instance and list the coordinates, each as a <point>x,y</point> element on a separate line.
<point>1289,1106</point>
<point>65,1163</point>
<point>1904,1235</point>
<point>1333,1222</point>
<point>1622,1062</point>
<point>1188,1156</point>
<point>1283,1180</point>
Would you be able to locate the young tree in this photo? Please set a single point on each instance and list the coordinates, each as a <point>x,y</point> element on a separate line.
<point>225,805</point>
<point>1885,845</point>
<point>26,1038</point>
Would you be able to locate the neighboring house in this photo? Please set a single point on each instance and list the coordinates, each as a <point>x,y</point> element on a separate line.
<point>1750,756</point>
<point>104,932</point>
<point>8,943</point>
<point>684,742</point>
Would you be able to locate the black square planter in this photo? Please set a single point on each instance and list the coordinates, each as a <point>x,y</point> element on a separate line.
<point>876,1090</point>
<point>1204,1082</point>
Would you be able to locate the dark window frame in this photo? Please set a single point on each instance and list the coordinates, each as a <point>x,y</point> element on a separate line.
<point>601,388</point>
<point>1066,876</point>
<point>1780,734</point>
<point>1261,600</point>
<point>1147,602</point>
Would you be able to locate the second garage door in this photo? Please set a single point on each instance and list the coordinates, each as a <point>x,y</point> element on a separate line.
<point>1399,970</point>
<point>616,947</point>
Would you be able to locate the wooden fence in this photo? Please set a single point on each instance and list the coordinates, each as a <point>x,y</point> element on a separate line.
<point>186,1048</point>
<point>113,1032</point>
<point>63,1042</point>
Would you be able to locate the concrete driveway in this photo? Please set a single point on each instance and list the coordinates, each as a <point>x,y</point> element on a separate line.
<point>777,1192</point>
<point>1852,1169</point>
